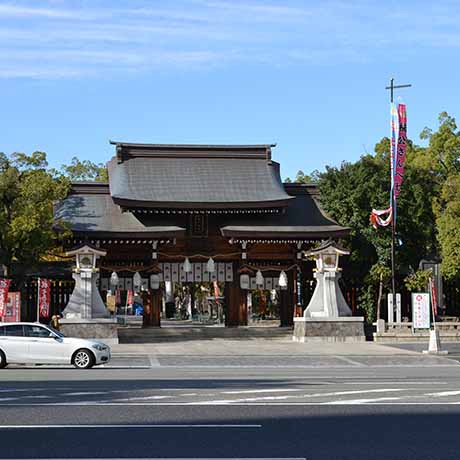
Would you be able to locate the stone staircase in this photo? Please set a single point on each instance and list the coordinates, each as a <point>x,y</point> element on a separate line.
<point>184,333</point>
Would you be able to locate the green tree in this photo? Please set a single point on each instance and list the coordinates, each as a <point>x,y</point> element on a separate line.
<point>448,222</point>
<point>85,170</point>
<point>28,191</point>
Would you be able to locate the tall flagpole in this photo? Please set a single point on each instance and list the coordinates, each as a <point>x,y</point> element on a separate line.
<point>392,87</point>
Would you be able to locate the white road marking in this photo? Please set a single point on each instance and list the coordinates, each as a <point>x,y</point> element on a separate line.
<point>351,361</point>
<point>232,401</point>
<point>142,398</point>
<point>275,390</point>
<point>354,392</point>
<point>154,362</point>
<point>359,401</point>
<point>443,393</point>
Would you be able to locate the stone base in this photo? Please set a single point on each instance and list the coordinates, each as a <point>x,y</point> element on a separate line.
<point>341,329</point>
<point>105,330</point>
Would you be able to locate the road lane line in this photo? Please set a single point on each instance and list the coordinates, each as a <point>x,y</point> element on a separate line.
<point>359,401</point>
<point>443,393</point>
<point>350,361</point>
<point>268,390</point>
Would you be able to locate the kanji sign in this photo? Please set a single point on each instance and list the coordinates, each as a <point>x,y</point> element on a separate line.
<point>421,310</point>
<point>44,297</point>
<point>13,308</point>
<point>4,287</point>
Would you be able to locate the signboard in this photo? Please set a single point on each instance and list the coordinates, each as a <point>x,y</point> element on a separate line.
<point>13,308</point>
<point>44,297</point>
<point>4,286</point>
<point>421,310</point>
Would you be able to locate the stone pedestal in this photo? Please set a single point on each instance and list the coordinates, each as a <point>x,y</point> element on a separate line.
<point>105,330</point>
<point>338,329</point>
<point>85,301</point>
<point>327,300</point>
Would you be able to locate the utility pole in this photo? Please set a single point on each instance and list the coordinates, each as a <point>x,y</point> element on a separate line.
<point>392,87</point>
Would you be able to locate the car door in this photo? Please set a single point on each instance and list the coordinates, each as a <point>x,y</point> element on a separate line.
<point>45,346</point>
<point>15,344</point>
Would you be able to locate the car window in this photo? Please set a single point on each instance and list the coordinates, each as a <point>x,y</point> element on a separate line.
<point>2,330</point>
<point>15,330</point>
<point>36,331</point>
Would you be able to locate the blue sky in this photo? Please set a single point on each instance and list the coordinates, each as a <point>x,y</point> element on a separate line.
<point>307,75</point>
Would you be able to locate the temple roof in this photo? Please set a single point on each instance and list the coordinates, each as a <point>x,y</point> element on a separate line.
<point>90,209</point>
<point>303,218</point>
<point>195,176</point>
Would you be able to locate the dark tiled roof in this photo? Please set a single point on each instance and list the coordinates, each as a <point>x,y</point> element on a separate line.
<point>171,176</point>
<point>303,218</point>
<point>90,209</point>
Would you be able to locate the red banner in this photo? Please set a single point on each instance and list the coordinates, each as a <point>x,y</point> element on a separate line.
<point>44,296</point>
<point>434,297</point>
<point>13,308</point>
<point>4,287</point>
<point>129,297</point>
<point>401,150</point>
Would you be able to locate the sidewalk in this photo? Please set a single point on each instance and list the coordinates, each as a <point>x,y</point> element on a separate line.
<point>234,348</point>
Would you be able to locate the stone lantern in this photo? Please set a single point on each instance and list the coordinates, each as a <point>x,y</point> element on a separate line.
<point>327,316</point>
<point>85,302</point>
<point>327,300</point>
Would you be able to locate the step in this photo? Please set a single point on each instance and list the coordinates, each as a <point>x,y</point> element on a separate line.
<point>175,334</point>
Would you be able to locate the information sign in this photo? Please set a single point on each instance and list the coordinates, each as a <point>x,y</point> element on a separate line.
<point>421,310</point>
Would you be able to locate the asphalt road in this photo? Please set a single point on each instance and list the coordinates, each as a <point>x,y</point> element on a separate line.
<point>408,408</point>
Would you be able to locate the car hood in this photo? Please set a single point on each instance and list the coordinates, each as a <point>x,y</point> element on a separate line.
<point>83,342</point>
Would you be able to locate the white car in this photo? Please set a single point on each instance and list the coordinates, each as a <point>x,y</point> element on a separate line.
<point>35,343</point>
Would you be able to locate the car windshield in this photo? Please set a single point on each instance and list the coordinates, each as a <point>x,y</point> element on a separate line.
<point>60,334</point>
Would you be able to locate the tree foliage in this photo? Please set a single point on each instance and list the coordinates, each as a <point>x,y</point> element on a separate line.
<point>85,170</point>
<point>28,191</point>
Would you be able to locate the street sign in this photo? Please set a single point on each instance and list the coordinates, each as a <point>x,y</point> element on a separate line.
<point>420,310</point>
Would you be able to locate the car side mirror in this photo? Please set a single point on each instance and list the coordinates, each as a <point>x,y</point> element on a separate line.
<point>57,338</point>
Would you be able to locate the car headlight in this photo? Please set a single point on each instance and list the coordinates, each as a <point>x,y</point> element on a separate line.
<point>99,347</point>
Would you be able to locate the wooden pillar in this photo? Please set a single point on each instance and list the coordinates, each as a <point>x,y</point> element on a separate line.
<point>287,301</point>
<point>233,299</point>
<point>243,316</point>
<point>152,308</point>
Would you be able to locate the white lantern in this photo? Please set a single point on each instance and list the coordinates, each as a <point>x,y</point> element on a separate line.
<point>155,281</point>
<point>283,281</point>
<point>210,266</point>
<point>137,281</point>
<point>187,266</point>
<point>244,281</point>
<point>259,278</point>
<point>114,280</point>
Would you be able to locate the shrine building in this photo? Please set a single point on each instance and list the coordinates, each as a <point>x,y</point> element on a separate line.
<point>213,216</point>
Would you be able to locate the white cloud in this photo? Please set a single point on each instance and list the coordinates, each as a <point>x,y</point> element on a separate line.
<point>47,38</point>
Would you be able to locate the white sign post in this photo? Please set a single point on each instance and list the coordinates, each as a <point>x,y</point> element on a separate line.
<point>391,310</point>
<point>420,310</point>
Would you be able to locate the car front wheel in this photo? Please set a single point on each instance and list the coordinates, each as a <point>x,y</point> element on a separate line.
<point>3,362</point>
<point>83,359</point>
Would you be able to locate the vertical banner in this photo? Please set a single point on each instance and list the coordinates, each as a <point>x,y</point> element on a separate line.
<point>44,297</point>
<point>4,288</point>
<point>394,129</point>
<point>13,308</point>
<point>420,310</point>
<point>400,159</point>
<point>434,297</point>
